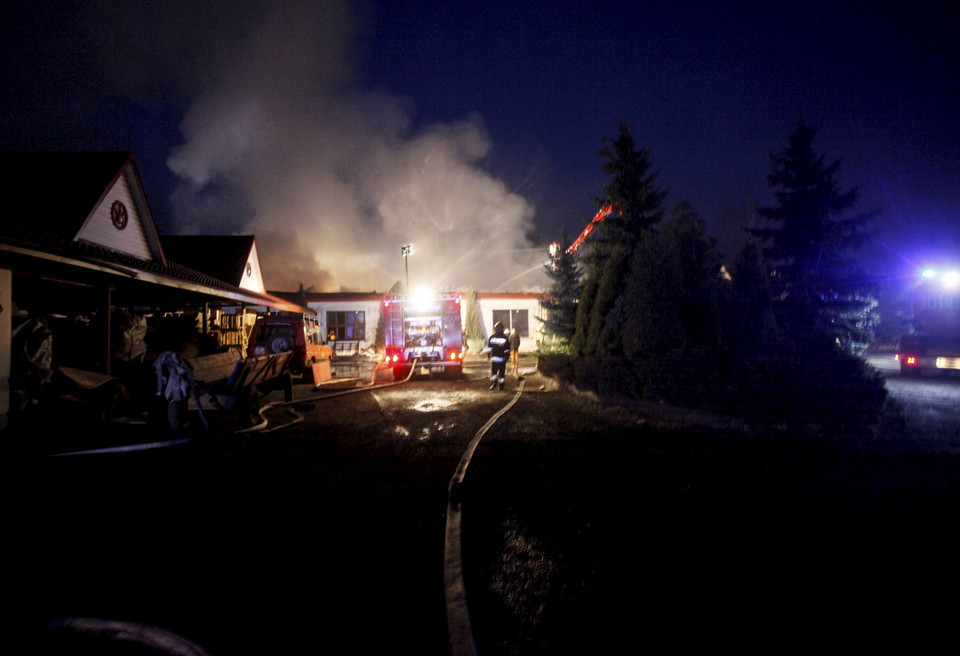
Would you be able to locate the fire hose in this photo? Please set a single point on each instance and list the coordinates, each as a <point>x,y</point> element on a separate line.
<point>261,427</point>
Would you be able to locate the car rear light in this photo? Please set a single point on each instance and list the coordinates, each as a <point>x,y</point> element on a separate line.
<point>910,360</point>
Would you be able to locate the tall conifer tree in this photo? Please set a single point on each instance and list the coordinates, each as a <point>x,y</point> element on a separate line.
<point>636,204</point>
<point>562,296</point>
<point>811,232</point>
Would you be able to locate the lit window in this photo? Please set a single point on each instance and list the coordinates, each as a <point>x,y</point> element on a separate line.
<point>346,325</point>
<point>513,320</point>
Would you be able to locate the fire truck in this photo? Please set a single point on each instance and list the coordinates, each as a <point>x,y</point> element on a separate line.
<point>427,330</point>
<point>934,343</point>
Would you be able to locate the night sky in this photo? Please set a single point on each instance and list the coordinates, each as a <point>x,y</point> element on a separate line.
<point>337,131</point>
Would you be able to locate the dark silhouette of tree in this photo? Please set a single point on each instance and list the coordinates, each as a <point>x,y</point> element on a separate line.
<point>748,320</point>
<point>809,236</point>
<point>669,307</point>
<point>637,205</point>
<point>562,296</point>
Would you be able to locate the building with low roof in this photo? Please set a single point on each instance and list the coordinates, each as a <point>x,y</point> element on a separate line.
<point>351,319</point>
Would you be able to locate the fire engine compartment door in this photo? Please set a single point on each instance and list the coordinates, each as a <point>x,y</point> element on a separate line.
<point>423,331</point>
<point>452,330</point>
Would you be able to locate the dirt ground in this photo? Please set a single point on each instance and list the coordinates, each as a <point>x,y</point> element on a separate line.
<point>586,530</point>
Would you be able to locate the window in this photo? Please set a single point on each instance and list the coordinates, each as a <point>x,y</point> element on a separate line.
<point>346,325</point>
<point>513,320</point>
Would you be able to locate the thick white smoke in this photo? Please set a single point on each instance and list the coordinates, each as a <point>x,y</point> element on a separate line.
<point>280,142</point>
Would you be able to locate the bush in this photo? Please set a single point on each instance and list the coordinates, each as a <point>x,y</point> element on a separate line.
<point>556,365</point>
<point>813,386</point>
<point>820,389</point>
<point>693,377</point>
<point>610,377</point>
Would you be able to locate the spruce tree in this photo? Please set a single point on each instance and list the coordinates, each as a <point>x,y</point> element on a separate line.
<point>670,307</point>
<point>811,232</point>
<point>562,296</point>
<point>698,264</point>
<point>636,204</point>
<point>748,323</point>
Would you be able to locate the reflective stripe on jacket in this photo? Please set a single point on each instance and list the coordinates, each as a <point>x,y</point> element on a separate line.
<point>499,347</point>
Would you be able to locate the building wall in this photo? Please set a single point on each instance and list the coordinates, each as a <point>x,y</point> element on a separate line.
<point>99,228</point>
<point>370,307</point>
<point>253,282</point>
<point>489,303</point>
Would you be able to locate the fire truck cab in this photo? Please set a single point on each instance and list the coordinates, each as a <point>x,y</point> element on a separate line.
<point>427,330</point>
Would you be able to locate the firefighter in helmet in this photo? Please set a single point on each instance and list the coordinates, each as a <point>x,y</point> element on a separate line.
<point>498,350</point>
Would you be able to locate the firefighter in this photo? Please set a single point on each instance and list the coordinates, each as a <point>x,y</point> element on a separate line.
<point>498,350</point>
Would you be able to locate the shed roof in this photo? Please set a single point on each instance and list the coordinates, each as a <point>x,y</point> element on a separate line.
<point>50,196</point>
<point>224,256</point>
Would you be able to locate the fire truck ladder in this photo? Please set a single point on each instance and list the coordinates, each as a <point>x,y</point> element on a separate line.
<point>603,213</point>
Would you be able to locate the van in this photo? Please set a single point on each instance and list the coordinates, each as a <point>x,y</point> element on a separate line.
<point>299,333</point>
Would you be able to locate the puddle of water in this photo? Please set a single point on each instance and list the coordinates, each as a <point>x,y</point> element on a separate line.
<point>433,405</point>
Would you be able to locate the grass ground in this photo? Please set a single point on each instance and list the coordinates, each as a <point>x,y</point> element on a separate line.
<point>593,533</point>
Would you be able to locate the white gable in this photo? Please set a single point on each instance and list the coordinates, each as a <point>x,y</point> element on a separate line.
<point>117,223</point>
<point>252,276</point>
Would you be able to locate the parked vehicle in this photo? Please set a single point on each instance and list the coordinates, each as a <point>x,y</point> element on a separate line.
<point>426,330</point>
<point>299,333</point>
<point>934,343</point>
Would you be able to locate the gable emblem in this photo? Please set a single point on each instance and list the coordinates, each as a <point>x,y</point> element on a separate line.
<point>118,214</point>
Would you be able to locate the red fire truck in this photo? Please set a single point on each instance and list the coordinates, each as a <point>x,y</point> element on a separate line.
<point>427,330</point>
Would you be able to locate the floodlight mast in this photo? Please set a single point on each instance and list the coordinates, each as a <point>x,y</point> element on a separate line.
<point>406,250</point>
